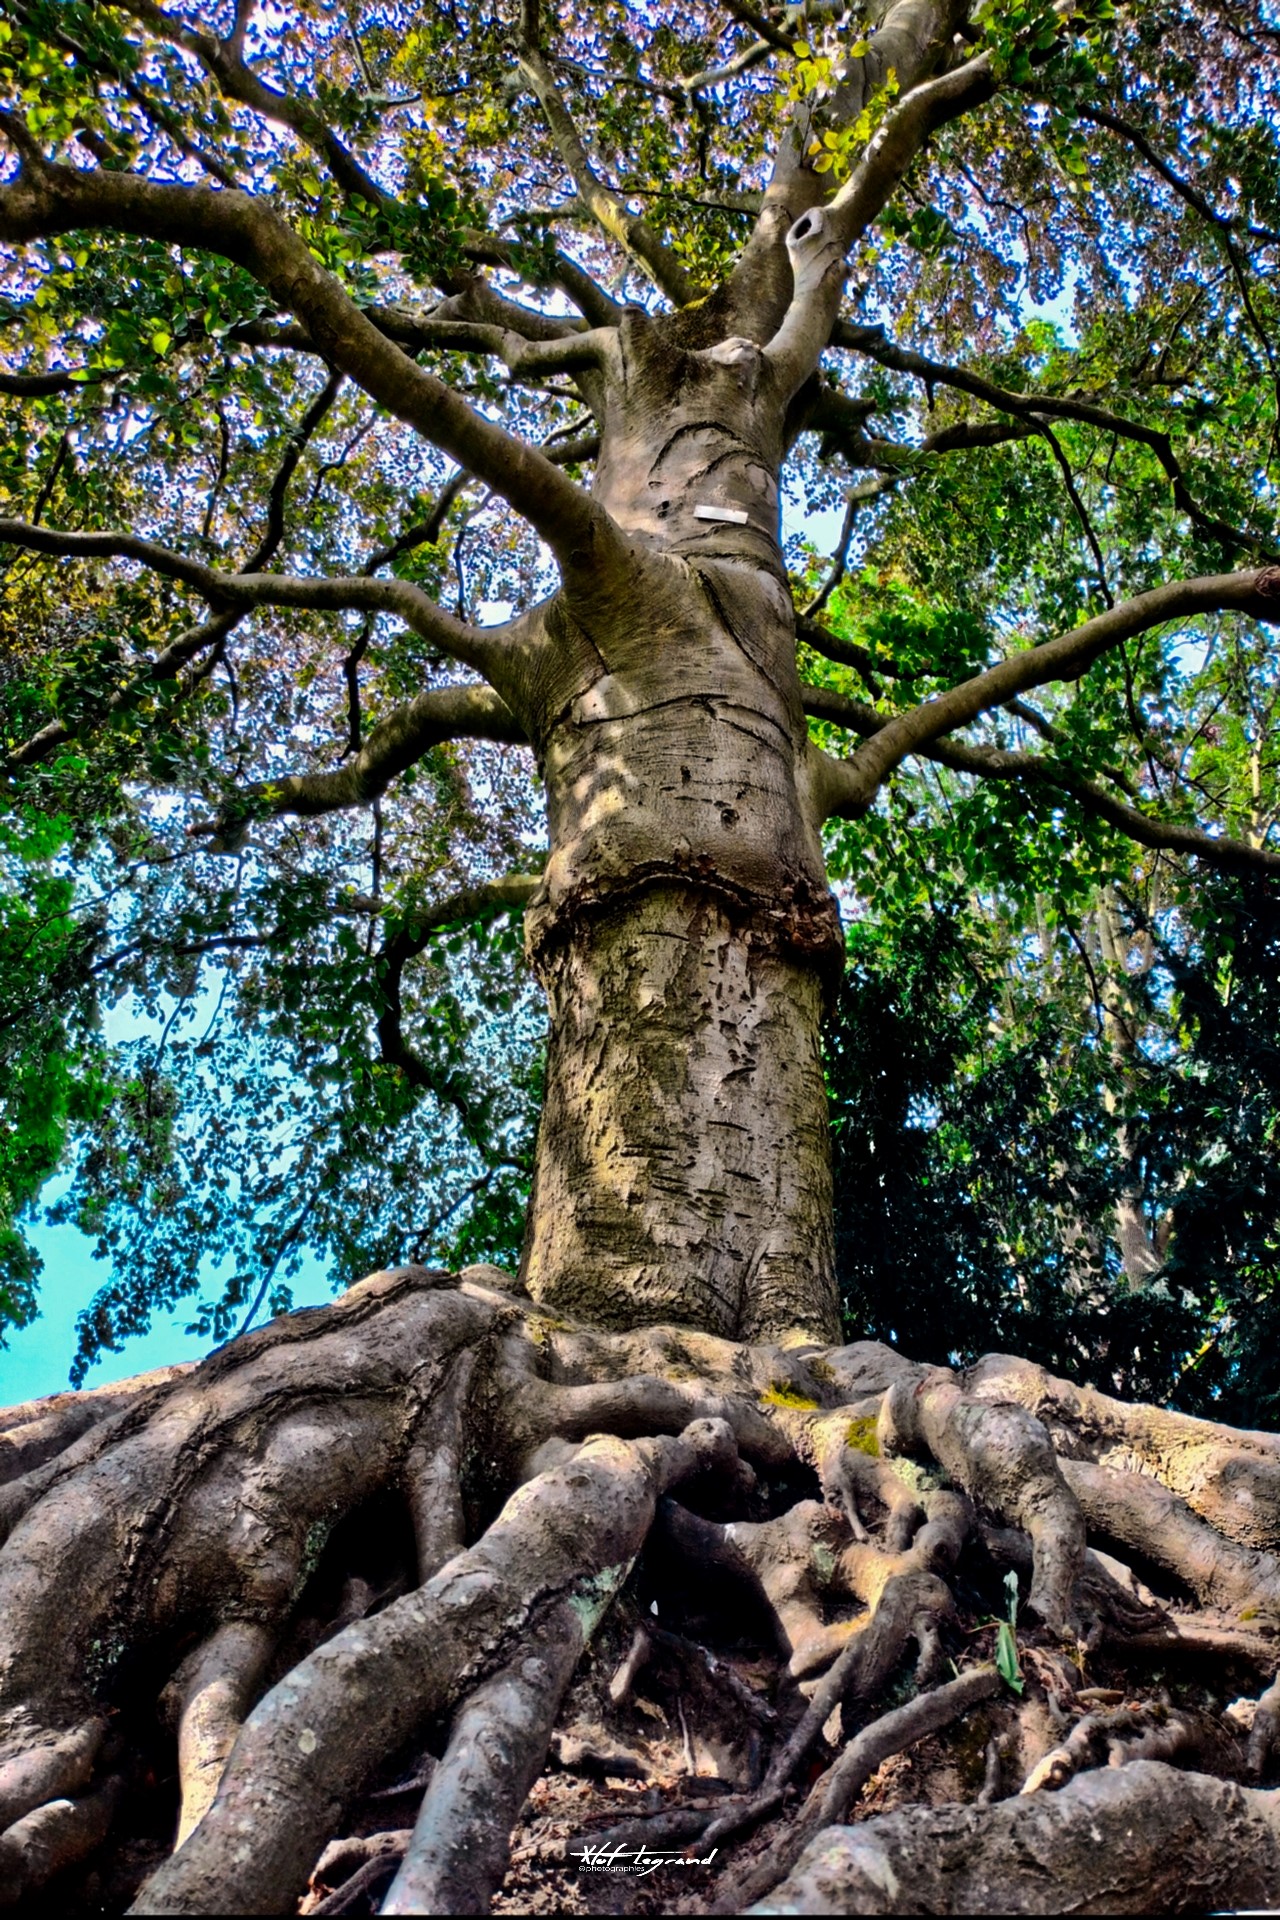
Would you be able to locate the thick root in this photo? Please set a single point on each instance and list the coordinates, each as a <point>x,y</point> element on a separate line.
<point>185,1555</point>
<point>1154,1523</point>
<point>561,1547</point>
<point>457,1854</point>
<point>52,1837</point>
<point>1143,1838</point>
<point>1229,1477</point>
<point>1003,1457</point>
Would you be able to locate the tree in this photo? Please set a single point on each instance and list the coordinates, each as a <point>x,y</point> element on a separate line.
<point>551,310</point>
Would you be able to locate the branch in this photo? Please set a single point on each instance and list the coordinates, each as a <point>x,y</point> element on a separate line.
<point>841,420</point>
<point>1183,188</point>
<point>846,653</point>
<point>901,135</point>
<point>561,349</point>
<point>563,352</point>
<point>631,232</point>
<point>37,386</point>
<point>311,421</point>
<point>393,746</point>
<point>873,342</point>
<point>210,636</point>
<point>48,199</point>
<point>158,115</point>
<point>507,895</point>
<point>561,271</point>
<point>481,902</point>
<point>996,763</point>
<point>856,782</point>
<point>226,592</point>
<point>193,641</point>
<point>819,241</point>
<point>759,25</point>
<point>222,60</point>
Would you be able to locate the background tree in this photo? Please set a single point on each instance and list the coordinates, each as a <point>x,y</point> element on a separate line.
<point>400,392</point>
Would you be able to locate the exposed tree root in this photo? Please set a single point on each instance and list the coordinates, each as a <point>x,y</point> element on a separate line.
<point>354,1869</point>
<point>1141,1839</point>
<point>835,1793</point>
<point>347,1575</point>
<point>1149,1520</point>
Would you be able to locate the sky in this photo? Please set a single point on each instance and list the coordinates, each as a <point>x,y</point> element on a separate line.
<point>39,1356</point>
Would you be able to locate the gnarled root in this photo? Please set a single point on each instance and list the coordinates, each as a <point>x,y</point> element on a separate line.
<point>552,1560</point>
<point>1144,1839</point>
<point>398,1523</point>
<point>1003,1457</point>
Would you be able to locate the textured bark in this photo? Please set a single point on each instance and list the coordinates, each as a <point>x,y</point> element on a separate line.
<point>684,925</point>
<point>683,1161</point>
<point>539,1469</point>
<point>1147,1839</point>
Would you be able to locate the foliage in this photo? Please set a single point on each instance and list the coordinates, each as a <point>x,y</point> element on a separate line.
<point>1008,1665</point>
<point>986,1129</point>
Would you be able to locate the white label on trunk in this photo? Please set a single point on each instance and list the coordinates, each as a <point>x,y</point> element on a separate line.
<point>735,514</point>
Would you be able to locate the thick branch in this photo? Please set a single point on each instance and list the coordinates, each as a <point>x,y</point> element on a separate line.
<point>998,763</point>
<point>394,745</point>
<point>1255,592</point>
<point>628,229</point>
<point>47,199</point>
<point>524,359</point>
<point>228,592</point>
<point>901,135</point>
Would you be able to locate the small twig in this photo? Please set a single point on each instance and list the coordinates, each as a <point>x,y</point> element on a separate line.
<point>367,1882</point>
<point>629,1671</point>
<point>691,1764</point>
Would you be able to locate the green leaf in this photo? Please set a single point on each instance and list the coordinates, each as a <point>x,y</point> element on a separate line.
<point>1007,1663</point>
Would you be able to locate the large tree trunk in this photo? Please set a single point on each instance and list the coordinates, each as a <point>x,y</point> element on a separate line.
<point>684,1168</point>
<point>685,925</point>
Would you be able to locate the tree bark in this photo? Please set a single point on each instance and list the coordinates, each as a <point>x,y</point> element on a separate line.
<point>684,1168</point>
<point>684,926</point>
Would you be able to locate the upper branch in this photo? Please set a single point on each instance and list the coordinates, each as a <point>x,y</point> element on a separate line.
<point>852,784</point>
<point>227,592</point>
<point>819,241</point>
<point>627,228</point>
<point>49,199</point>
<point>1185,189</point>
<point>208,637</point>
<point>204,638</point>
<point>224,62</point>
<point>913,40</point>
